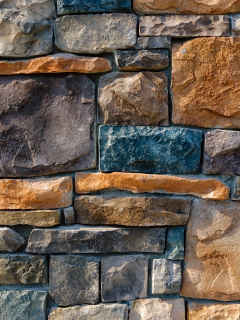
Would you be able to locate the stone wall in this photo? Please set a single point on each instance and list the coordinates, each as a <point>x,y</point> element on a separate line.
<point>119,163</point>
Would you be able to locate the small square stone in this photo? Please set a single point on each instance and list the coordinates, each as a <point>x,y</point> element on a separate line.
<point>69,215</point>
<point>175,244</point>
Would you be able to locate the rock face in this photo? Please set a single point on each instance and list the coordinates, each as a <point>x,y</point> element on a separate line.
<point>69,215</point>
<point>46,124</point>
<point>236,193</point>
<point>131,211</point>
<point>235,24</point>
<point>149,150</point>
<point>153,43</point>
<point>175,244</point>
<point>26,28</point>
<point>124,278</point>
<point>200,97</point>
<point>73,280</point>
<point>111,32</point>
<point>10,240</point>
<point>133,99</point>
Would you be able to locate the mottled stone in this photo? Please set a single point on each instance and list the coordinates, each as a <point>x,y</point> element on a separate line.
<point>235,24</point>
<point>149,150</point>
<point>131,211</point>
<point>236,191</point>
<point>46,124</point>
<point>26,27</point>
<point>175,244</point>
<point>73,280</point>
<point>69,215</point>
<point>124,278</point>
<point>80,239</point>
<point>153,42</point>
<point>133,99</point>
<point>10,240</point>
<point>95,33</point>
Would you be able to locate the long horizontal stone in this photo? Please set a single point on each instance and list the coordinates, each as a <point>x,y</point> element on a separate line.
<point>163,42</point>
<point>10,240</point>
<point>79,239</point>
<point>212,310</point>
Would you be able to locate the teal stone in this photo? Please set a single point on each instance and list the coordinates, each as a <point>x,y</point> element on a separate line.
<point>175,244</point>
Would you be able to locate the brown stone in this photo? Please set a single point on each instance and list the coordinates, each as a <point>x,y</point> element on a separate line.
<point>151,183</point>
<point>206,82</point>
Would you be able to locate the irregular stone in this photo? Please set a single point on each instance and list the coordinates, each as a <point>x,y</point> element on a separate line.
<point>79,239</point>
<point>26,28</point>
<point>46,124</point>
<point>42,193</point>
<point>184,26</point>
<point>69,215</point>
<point>175,244</point>
<point>206,95</point>
<point>23,304</point>
<point>236,192</point>
<point>166,276</point>
<point>153,43</point>
<point>10,240</point>
<point>235,24</point>
<point>131,211</point>
<point>212,253</point>
<point>23,269</point>
<point>111,31</point>
<point>149,150</point>
<point>57,63</point>
<point>133,99</point>
<point>73,280</point>
<point>124,278</point>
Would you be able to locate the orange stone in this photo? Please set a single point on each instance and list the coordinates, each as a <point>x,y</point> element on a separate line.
<point>151,183</point>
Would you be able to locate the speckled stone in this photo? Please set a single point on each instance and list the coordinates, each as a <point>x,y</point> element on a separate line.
<point>161,42</point>
<point>175,244</point>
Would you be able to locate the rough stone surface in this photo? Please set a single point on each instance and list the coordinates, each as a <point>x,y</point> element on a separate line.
<point>206,94</point>
<point>133,99</point>
<point>73,280</point>
<point>184,26</point>
<point>166,276</point>
<point>124,278</point>
<point>235,24</point>
<point>46,124</point>
<point>149,150</point>
<point>10,240</point>
<point>212,253</point>
<point>107,32</point>
<point>69,215</point>
<point>153,43</point>
<point>236,192</point>
<point>26,27</point>
<point>131,211</point>
<point>175,244</point>
<point>79,239</point>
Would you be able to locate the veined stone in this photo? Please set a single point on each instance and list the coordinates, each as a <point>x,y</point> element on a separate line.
<point>236,192</point>
<point>10,240</point>
<point>69,215</point>
<point>175,244</point>
<point>153,43</point>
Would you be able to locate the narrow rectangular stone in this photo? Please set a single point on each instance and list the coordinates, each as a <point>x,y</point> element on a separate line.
<point>69,215</point>
<point>175,244</point>
<point>236,191</point>
<point>162,42</point>
<point>212,310</point>
<point>235,24</point>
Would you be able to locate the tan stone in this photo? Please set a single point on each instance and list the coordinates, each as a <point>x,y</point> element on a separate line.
<point>206,82</point>
<point>151,183</point>
<point>39,193</point>
<point>57,63</point>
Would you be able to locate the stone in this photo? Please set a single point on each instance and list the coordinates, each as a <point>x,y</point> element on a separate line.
<point>149,149</point>
<point>113,311</point>
<point>235,24</point>
<point>133,99</point>
<point>141,60</point>
<point>184,26</point>
<point>69,215</point>
<point>163,42</point>
<point>212,253</point>
<point>10,240</point>
<point>111,31</point>
<point>26,28</point>
<point>206,94</point>
<point>23,269</point>
<point>23,304</point>
<point>166,276</point>
<point>46,124</point>
<point>213,189</point>
<point>56,63</point>
<point>131,211</point>
<point>124,278</point>
<point>157,309</point>
<point>175,244</point>
<point>73,280</point>
<point>80,239</point>
<point>236,191</point>
<point>41,193</point>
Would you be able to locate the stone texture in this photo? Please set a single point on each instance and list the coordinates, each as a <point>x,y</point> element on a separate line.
<point>79,239</point>
<point>184,26</point>
<point>166,276</point>
<point>107,32</point>
<point>46,124</point>
<point>131,211</point>
<point>124,278</point>
<point>206,94</point>
<point>236,192</point>
<point>23,304</point>
<point>212,253</point>
<point>149,150</point>
<point>235,24</point>
<point>57,63</point>
<point>73,280</point>
<point>175,244</point>
<point>153,43</point>
<point>69,215</point>
<point>26,28</point>
<point>133,99</point>
<point>23,269</point>
<point>10,240</point>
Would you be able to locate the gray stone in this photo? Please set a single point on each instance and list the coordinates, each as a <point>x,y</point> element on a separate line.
<point>79,239</point>
<point>236,192</point>
<point>235,24</point>
<point>10,240</point>
<point>95,33</point>
<point>154,42</point>
<point>73,280</point>
<point>69,215</point>
<point>175,244</point>
<point>124,278</point>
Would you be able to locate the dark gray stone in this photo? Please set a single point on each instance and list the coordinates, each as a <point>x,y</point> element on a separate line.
<point>236,192</point>
<point>175,244</point>
<point>154,43</point>
<point>69,215</point>
<point>10,240</point>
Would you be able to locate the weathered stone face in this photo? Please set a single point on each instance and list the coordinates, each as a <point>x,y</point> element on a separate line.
<point>69,215</point>
<point>153,43</point>
<point>10,240</point>
<point>175,244</point>
<point>235,24</point>
<point>236,192</point>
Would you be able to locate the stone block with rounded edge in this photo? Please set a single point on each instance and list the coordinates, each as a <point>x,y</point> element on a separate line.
<point>212,311</point>
<point>175,244</point>
<point>10,240</point>
<point>161,42</point>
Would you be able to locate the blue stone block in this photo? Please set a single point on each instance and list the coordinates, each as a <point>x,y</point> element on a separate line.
<point>175,244</point>
<point>149,149</point>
